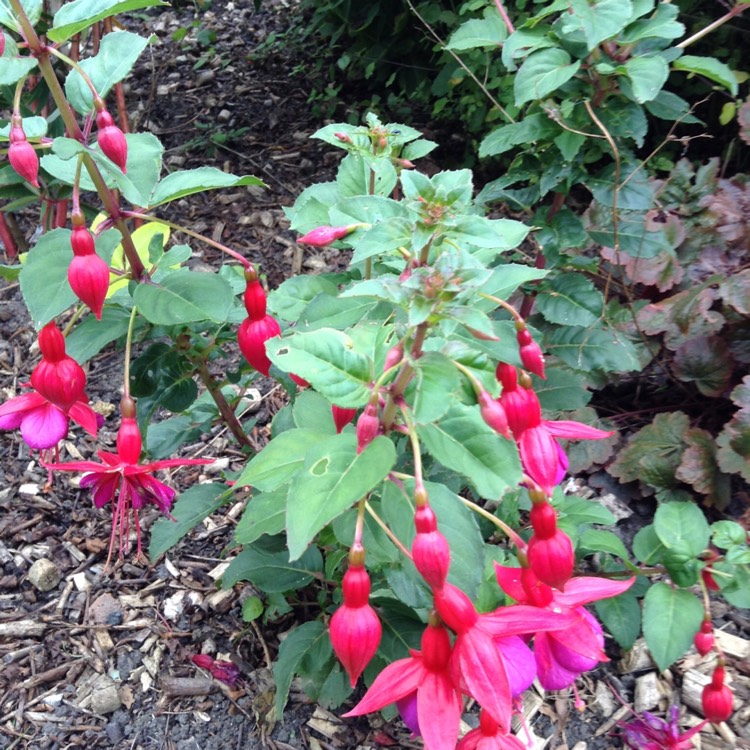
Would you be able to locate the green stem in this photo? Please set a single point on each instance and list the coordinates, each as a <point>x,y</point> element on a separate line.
<point>128,349</point>
<point>415,449</point>
<point>223,248</point>
<point>403,378</point>
<point>507,530</point>
<point>359,527</point>
<point>73,64</point>
<point>502,303</point>
<point>226,411</point>
<point>739,8</point>
<point>380,522</point>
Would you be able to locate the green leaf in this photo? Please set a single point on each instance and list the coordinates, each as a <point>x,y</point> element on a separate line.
<point>32,8</point>
<point>290,298</point>
<point>647,76</point>
<point>44,277</point>
<point>489,31</point>
<point>710,68</point>
<point>13,69</point>
<point>279,461</point>
<point>647,547</point>
<point>599,540</point>
<point>570,299</point>
<point>733,454</point>
<point>661,25</point>
<point>531,128</point>
<point>505,280</point>
<point>184,297</point>
<point>252,608</point>
<point>593,349</point>
<point>735,587</point>
<point>577,511</point>
<point>265,514</point>
<point>436,383</point>
<point>92,335</point>
<point>292,651</point>
<point>10,273</point>
<point>671,617</point>
<point>179,184</point>
<point>332,479</point>
<point>193,505</point>
<point>313,412</point>
<point>271,570</point>
<point>621,616</point>
<point>542,73</point>
<point>118,53</point>
<point>382,239</point>
<point>34,127</point>
<point>601,20</point>
<point>725,534</point>
<point>682,525</point>
<point>78,15</point>
<point>327,359</point>
<point>463,442</point>
<point>705,361</point>
<point>563,390</point>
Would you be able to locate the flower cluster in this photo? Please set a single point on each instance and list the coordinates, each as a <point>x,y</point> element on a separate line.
<point>258,327</point>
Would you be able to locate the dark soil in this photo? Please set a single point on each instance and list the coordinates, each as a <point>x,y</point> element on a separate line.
<point>133,629</point>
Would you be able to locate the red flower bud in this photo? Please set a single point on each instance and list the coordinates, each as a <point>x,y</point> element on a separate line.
<point>507,375</point>
<point>254,297</point>
<point>355,629</point>
<point>531,352</point>
<point>129,443</point>
<point>543,520</point>
<point>538,593</point>
<point>52,343</point>
<point>88,274</point>
<point>704,638</point>
<point>111,139</point>
<point>394,356</point>
<point>342,417</point>
<point>2,43</point>
<point>252,338</point>
<point>717,699</point>
<point>436,648</point>
<point>343,137</point>
<point>430,549</point>
<point>23,158</point>
<point>455,608</point>
<point>325,235</point>
<point>552,559</point>
<point>368,426</point>
<point>493,413</point>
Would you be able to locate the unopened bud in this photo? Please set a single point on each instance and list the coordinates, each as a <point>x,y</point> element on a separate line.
<point>23,158</point>
<point>343,137</point>
<point>493,413</point>
<point>530,351</point>
<point>368,426</point>
<point>325,235</point>
<point>111,139</point>
<point>704,638</point>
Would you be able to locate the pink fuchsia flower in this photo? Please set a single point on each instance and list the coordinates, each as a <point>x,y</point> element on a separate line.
<point>562,654</point>
<point>111,139</point>
<point>421,681</point>
<point>489,736</point>
<point>550,550</point>
<point>530,351</point>
<point>477,664</point>
<point>119,479</point>
<point>21,154</point>
<point>355,629</point>
<point>224,671</point>
<point>325,235</point>
<point>649,732</point>
<point>717,700</point>
<point>430,549</point>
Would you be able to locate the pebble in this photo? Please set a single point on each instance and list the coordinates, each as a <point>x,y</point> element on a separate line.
<point>106,610</point>
<point>44,575</point>
<point>104,696</point>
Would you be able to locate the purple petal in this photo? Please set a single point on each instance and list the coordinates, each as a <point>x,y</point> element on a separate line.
<point>562,464</point>
<point>519,663</point>
<point>407,707</point>
<point>552,675</point>
<point>145,488</point>
<point>11,420</point>
<point>44,427</point>
<point>104,489</point>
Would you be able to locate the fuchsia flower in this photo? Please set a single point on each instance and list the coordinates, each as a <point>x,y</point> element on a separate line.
<point>478,663</point>
<point>258,327</point>
<point>368,426</point>
<point>430,550</point>
<point>325,235</point>
<point>111,139</point>
<point>119,479</point>
<point>58,382</point>
<point>489,736</point>
<point>550,550</point>
<point>21,154</point>
<point>342,416</point>
<point>530,351</point>
<point>704,638</point>
<point>423,679</point>
<point>649,732</point>
<point>88,274</point>
<point>562,654</point>
<point>355,629</point>
<point>717,699</point>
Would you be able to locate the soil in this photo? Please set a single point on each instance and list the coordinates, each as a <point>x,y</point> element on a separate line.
<point>102,659</point>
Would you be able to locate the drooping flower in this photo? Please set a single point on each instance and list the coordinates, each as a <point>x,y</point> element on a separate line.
<point>421,681</point>
<point>342,416</point>
<point>119,479</point>
<point>111,139</point>
<point>21,154</point>
<point>58,383</point>
<point>430,549</point>
<point>649,732</point>
<point>717,699</point>
<point>355,629</point>
<point>704,638</point>
<point>477,663</point>
<point>258,327</point>
<point>562,654</point>
<point>325,235</point>
<point>489,735</point>
<point>368,426</point>
<point>550,550</point>
<point>88,274</point>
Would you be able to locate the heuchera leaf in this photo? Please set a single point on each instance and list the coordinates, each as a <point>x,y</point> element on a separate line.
<point>671,618</point>
<point>705,361</point>
<point>733,443</point>
<point>699,469</point>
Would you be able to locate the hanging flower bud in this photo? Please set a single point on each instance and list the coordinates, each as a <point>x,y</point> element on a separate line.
<point>325,235</point>
<point>550,551</point>
<point>493,413</point>
<point>355,629</point>
<point>430,549</point>
<point>368,426</point>
<point>88,274</point>
<point>394,356</point>
<point>343,137</point>
<point>531,352</point>
<point>706,574</point>
<point>129,444</point>
<point>342,417</point>
<point>254,296</point>
<point>521,405</point>
<point>717,699</point>
<point>23,158</point>
<point>455,608</point>
<point>111,139</point>
<point>58,377</point>
<point>252,337</point>
<point>704,638</point>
